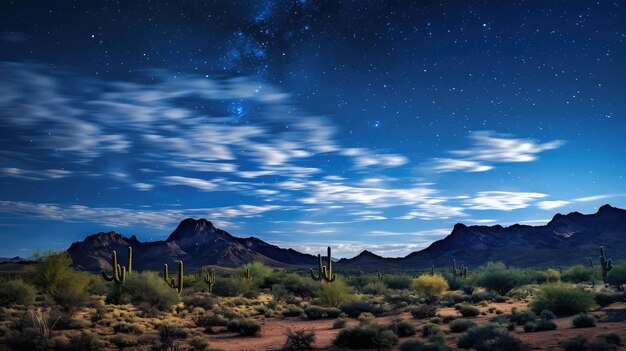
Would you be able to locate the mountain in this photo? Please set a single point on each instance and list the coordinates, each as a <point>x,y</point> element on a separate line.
<point>197,242</point>
<point>565,240</point>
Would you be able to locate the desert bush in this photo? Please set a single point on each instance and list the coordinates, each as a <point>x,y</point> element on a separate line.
<point>84,341</point>
<point>522,317</point>
<point>454,281</point>
<point>617,275</point>
<point>339,323</point>
<point>460,325</point>
<point>365,318</point>
<point>402,328</point>
<point>127,328</point>
<point>356,307</point>
<point>366,337</point>
<point>611,338</point>
<point>424,311</point>
<point>583,320</point>
<point>398,282</point>
<point>416,345</point>
<point>562,299</point>
<point>299,340</point>
<point>488,338</point>
<point>607,298</point>
<point>202,300</point>
<point>245,327</point>
<point>581,274</point>
<point>16,292</point>
<point>230,286</point>
<point>300,286</point>
<point>497,277</point>
<point>145,290</point>
<point>429,285</point>
<point>468,311</point>
<point>293,311</point>
<point>430,329</point>
<point>540,325</point>
<point>318,312</point>
<point>550,276</point>
<point>580,343</point>
<point>333,294</point>
<point>374,288</point>
<point>547,315</point>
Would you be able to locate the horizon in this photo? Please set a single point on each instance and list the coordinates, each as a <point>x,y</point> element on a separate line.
<point>377,132</point>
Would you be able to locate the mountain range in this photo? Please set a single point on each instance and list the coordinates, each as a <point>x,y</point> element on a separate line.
<point>565,240</point>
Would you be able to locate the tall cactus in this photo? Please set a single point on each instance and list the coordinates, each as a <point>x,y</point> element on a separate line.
<point>590,262</point>
<point>462,272</point>
<point>381,276</point>
<point>454,270</point>
<point>324,273</point>
<point>173,283</point>
<point>246,274</point>
<point>605,264</point>
<point>432,270</point>
<point>119,271</point>
<point>209,278</point>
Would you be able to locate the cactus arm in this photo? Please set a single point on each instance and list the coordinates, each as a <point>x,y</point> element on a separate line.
<point>130,259</point>
<point>209,278</point>
<point>319,269</point>
<point>115,275</point>
<point>165,273</point>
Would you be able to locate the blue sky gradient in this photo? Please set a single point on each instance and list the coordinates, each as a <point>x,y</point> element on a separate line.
<point>358,125</point>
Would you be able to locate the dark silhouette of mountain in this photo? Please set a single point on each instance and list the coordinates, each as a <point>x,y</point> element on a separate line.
<point>565,240</point>
<point>197,242</point>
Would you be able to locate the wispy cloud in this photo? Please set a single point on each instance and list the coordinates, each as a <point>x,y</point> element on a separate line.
<point>502,200</point>
<point>550,205</point>
<point>31,174</point>
<point>489,148</point>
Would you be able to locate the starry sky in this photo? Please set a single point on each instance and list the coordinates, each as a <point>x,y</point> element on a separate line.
<point>362,125</point>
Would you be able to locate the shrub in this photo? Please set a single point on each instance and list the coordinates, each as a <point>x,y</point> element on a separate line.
<point>339,323</point>
<point>399,282</point>
<point>299,340</point>
<point>71,299</point>
<point>523,317</point>
<point>365,318</point>
<point>127,328</point>
<point>356,307</point>
<point>454,281</point>
<point>374,288</point>
<point>293,311</point>
<point>366,337</point>
<point>562,299</point>
<point>496,277</point>
<point>416,345</point>
<point>460,325</point>
<point>168,334</point>
<point>583,320</point>
<point>488,338</point>
<point>424,311</point>
<point>16,293</point>
<point>617,275</point>
<point>333,294</point>
<point>429,285</point>
<point>403,328</point>
<point>605,299</point>
<point>84,342</point>
<point>581,274</point>
<point>580,343</point>
<point>610,338</point>
<point>468,311</point>
<point>245,327</point>
<point>547,315</point>
<point>541,325</point>
<point>430,329</point>
<point>317,312</point>
<point>230,286</point>
<point>550,276</point>
<point>145,290</point>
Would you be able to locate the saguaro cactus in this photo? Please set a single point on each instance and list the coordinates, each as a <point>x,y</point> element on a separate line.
<point>173,283</point>
<point>381,276</point>
<point>605,264</point>
<point>119,272</point>
<point>590,262</point>
<point>324,273</point>
<point>460,272</point>
<point>432,270</point>
<point>209,278</point>
<point>246,274</point>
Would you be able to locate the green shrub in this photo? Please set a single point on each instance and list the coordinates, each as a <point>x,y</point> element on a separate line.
<point>374,288</point>
<point>366,337</point>
<point>580,343</point>
<point>606,298</point>
<point>583,320</point>
<point>244,327</point>
<point>230,286</point>
<point>318,312</point>
<point>562,299</point>
<point>429,285</point>
<point>550,276</point>
<point>497,277</point>
<point>416,345</point>
<point>547,315</point>
<point>355,307</point>
<point>398,282</point>
<point>299,340</point>
<point>16,292</point>
<point>333,294</point>
<point>540,325</point>
<point>339,323</point>
<point>581,274</point>
<point>617,275</point>
<point>488,338</point>
<point>127,328</point>
<point>365,318</point>
<point>523,317</point>
<point>403,328</point>
<point>460,325</point>
<point>611,338</point>
<point>293,311</point>
<point>468,311</point>
<point>84,342</point>
<point>430,329</point>
<point>424,311</point>
<point>145,290</point>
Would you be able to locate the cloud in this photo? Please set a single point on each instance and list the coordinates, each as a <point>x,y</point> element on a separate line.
<point>597,197</point>
<point>364,158</point>
<point>432,232</point>
<point>34,174</point>
<point>126,217</point>
<point>488,148</point>
<point>502,200</point>
<point>550,205</point>
<point>143,186</point>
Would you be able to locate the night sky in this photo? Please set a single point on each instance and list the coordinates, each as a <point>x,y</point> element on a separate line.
<point>361,125</point>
